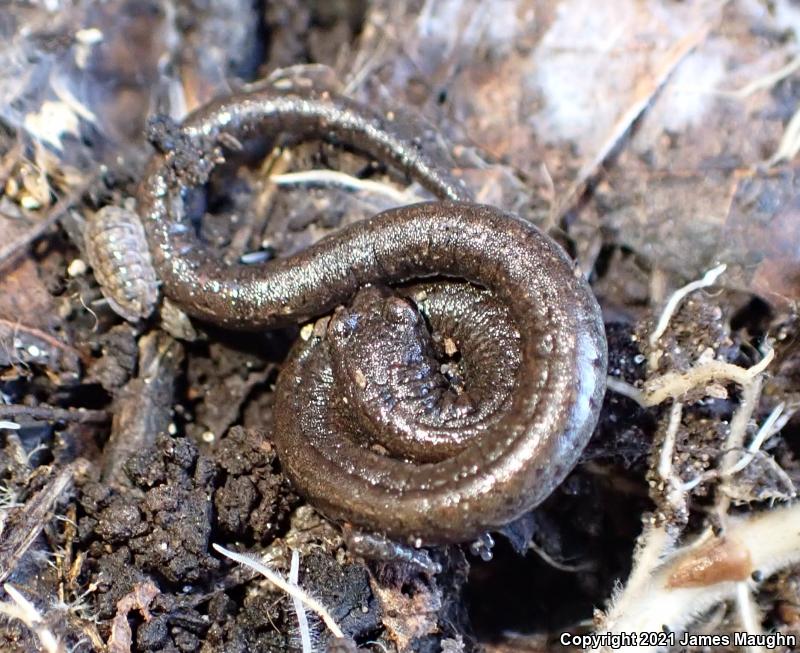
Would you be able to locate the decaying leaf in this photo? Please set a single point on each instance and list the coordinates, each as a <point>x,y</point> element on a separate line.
<point>139,599</point>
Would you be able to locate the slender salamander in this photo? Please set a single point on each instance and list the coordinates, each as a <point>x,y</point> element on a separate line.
<point>431,411</point>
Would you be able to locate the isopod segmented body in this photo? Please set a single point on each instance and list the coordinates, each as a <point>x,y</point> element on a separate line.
<point>117,251</point>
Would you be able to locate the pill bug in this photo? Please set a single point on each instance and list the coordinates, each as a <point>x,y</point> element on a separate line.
<point>117,251</point>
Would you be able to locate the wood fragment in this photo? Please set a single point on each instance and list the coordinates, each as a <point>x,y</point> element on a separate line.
<point>143,408</point>
<point>26,522</point>
<point>53,414</point>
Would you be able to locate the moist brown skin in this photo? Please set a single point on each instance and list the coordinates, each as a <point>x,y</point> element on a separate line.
<point>367,425</point>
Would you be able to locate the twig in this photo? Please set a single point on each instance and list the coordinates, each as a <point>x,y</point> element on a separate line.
<point>292,590</point>
<point>52,414</point>
<point>767,81</point>
<point>22,609</point>
<point>336,178</point>
<point>143,407</point>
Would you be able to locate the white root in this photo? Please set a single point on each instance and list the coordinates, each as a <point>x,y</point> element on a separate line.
<point>23,610</point>
<point>649,602</point>
<point>343,180</point>
<point>300,611</point>
<point>789,145</point>
<point>772,425</point>
<point>291,589</point>
<point>626,390</point>
<point>673,491</point>
<point>674,385</point>
<point>668,588</point>
<point>749,614</point>
<point>765,82</point>
<point>708,279</point>
<point>776,420</point>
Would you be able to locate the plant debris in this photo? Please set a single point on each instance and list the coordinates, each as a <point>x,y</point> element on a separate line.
<point>656,141</point>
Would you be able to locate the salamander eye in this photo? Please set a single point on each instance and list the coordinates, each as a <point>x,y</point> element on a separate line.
<point>344,323</point>
<point>399,311</point>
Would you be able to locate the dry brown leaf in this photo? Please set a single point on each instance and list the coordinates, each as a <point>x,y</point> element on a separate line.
<point>139,599</point>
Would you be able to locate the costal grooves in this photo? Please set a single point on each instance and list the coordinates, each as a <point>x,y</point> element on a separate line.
<point>432,411</point>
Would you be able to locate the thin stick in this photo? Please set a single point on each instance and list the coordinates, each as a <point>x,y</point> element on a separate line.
<point>49,413</point>
<point>31,519</point>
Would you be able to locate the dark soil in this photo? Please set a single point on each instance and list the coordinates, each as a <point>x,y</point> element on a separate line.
<point>137,450</point>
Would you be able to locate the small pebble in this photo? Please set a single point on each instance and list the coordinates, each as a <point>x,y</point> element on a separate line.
<point>30,203</point>
<point>77,268</point>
